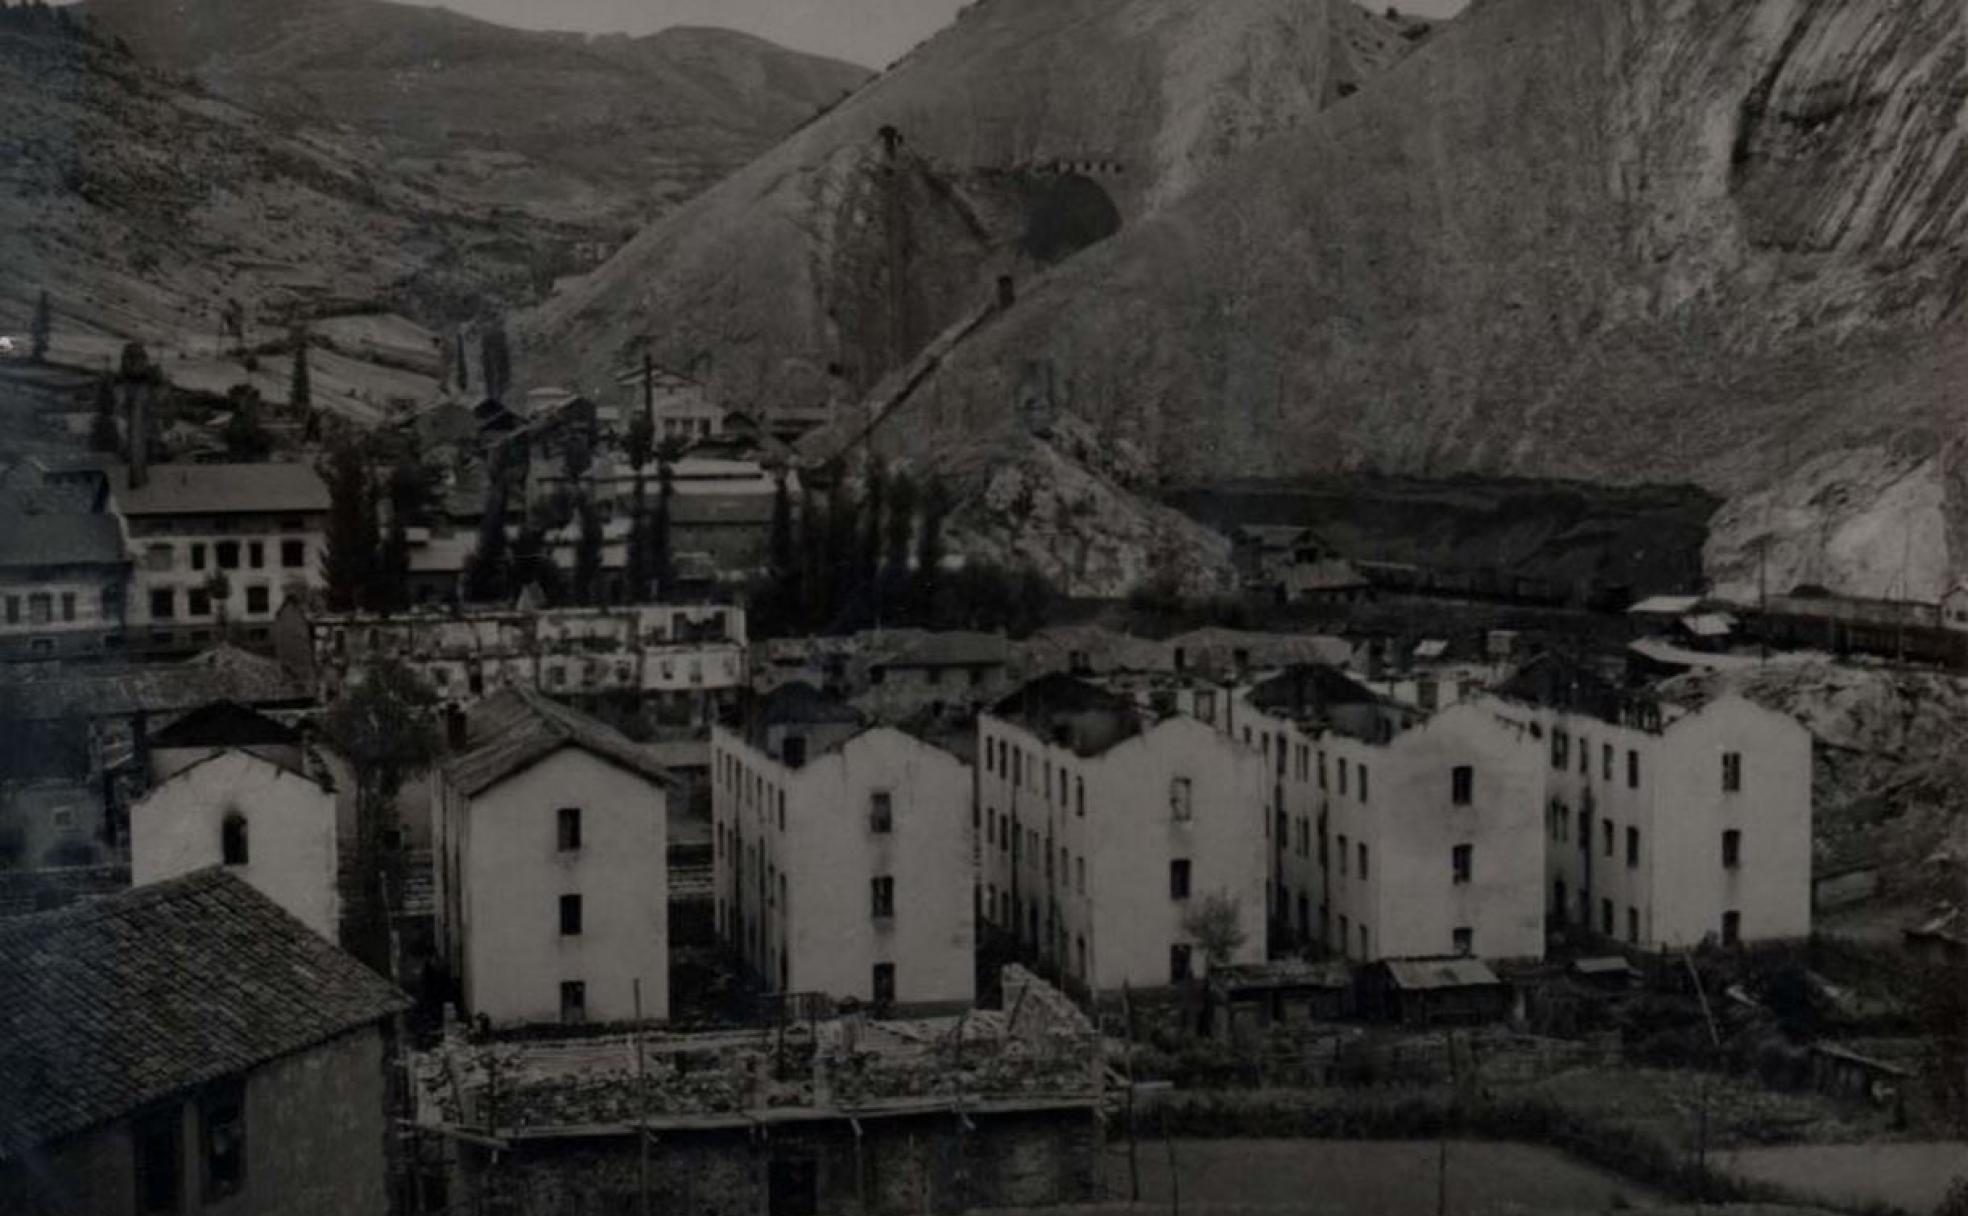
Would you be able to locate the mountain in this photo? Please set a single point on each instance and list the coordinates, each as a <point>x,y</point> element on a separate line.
<point>1025,131</point>
<point>142,206</point>
<point>875,237</point>
<point>1718,242</point>
<point>603,131</point>
<point>1711,242</point>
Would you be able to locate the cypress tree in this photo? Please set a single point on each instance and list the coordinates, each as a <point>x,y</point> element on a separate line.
<point>588,554</point>
<point>103,435</point>
<point>661,556</point>
<point>929,549</point>
<point>488,571</point>
<point>349,565</point>
<point>43,326</point>
<point>495,357</point>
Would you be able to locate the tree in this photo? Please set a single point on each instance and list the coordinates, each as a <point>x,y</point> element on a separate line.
<point>867,558</point>
<point>588,554</point>
<point>42,327</point>
<point>1216,924</point>
<point>246,439</point>
<point>929,547</point>
<point>639,445</point>
<point>103,435</point>
<point>662,559</point>
<point>495,356</point>
<point>349,565</point>
<point>901,524</point>
<point>534,566</point>
<point>300,388</point>
<point>488,572</point>
<point>383,726</point>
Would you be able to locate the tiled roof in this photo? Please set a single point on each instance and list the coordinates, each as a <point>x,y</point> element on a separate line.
<point>224,673</point>
<point>191,489</point>
<point>519,727</point>
<point>60,540</point>
<point>112,1004</point>
<point>950,648</point>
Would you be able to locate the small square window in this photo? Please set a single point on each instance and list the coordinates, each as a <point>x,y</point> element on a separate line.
<point>1732,841</point>
<point>881,813</point>
<point>881,893</point>
<point>1179,964</point>
<point>1732,928</point>
<point>573,1002</point>
<point>1181,804</point>
<point>1464,941</point>
<point>1463,862</point>
<point>1462,785</point>
<point>570,916</point>
<point>884,983</point>
<point>568,822</point>
<point>258,600</point>
<point>1732,772</point>
<point>1179,878</point>
<point>293,556</point>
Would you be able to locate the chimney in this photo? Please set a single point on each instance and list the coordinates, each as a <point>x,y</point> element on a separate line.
<point>455,728</point>
<point>139,441</point>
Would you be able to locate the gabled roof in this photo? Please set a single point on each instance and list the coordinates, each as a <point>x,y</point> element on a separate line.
<point>223,673</point>
<point>226,724</point>
<point>113,1004</point>
<point>517,728</point>
<point>798,703</point>
<point>59,540</point>
<point>1308,690</point>
<point>1558,681</point>
<point>1070,712</point>
<point>194,489</point>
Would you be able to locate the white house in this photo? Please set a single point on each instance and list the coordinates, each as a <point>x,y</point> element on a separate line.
<point>1106,826</point>
<point>1665,824</point>
<point>1397,834</point>
<point>271,824</point>
<point>552,881</point>
<point>844,860</point>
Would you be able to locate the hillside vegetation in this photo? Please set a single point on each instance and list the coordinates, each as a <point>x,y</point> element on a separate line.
<point>605,132</point>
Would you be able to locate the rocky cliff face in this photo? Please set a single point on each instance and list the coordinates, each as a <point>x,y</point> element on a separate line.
<point>1712,240</point>
<point>1028,132</point>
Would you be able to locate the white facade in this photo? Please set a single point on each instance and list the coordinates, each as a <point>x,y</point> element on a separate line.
<point>504,875</point>
<point>851,874</point>
<point>679,650</point>
<point>270,825</point>
<point>1096,861</point>
<point>1665,833</point>
<point>1422,843</point>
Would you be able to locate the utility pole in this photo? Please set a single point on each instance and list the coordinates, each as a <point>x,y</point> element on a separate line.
<point>1134,1163</point>
<point>1701,1126</point>
<point>642,1103</point>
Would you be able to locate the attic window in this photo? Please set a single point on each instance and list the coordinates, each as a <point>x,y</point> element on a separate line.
<point>232,839</point>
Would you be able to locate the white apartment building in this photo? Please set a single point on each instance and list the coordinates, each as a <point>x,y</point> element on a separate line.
<point>261,527</point>
<point>1668,825</point>
<point>1105,826</point>
<point>552,879</point>
<point>271,824</point>
<point>690,658</point>
<point>843,855</point>
<point>1393,833</point>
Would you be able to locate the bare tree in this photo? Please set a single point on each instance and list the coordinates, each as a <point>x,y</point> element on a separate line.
<point>1216,923</point>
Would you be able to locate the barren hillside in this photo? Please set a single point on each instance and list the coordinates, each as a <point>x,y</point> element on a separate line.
<point>142,206</point>
<point>1718,241</point>
<point>606,131</point>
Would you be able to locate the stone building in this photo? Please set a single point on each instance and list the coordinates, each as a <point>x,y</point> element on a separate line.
<point>844,855</point>
<point>988,1108</point>
<point>190,1047</point>
<point>552,876</point>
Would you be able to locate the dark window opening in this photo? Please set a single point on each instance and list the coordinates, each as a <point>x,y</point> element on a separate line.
<point>569,822</point>
<point>570,915</point>
<point>232,839</point>
<point>222,1119</point>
